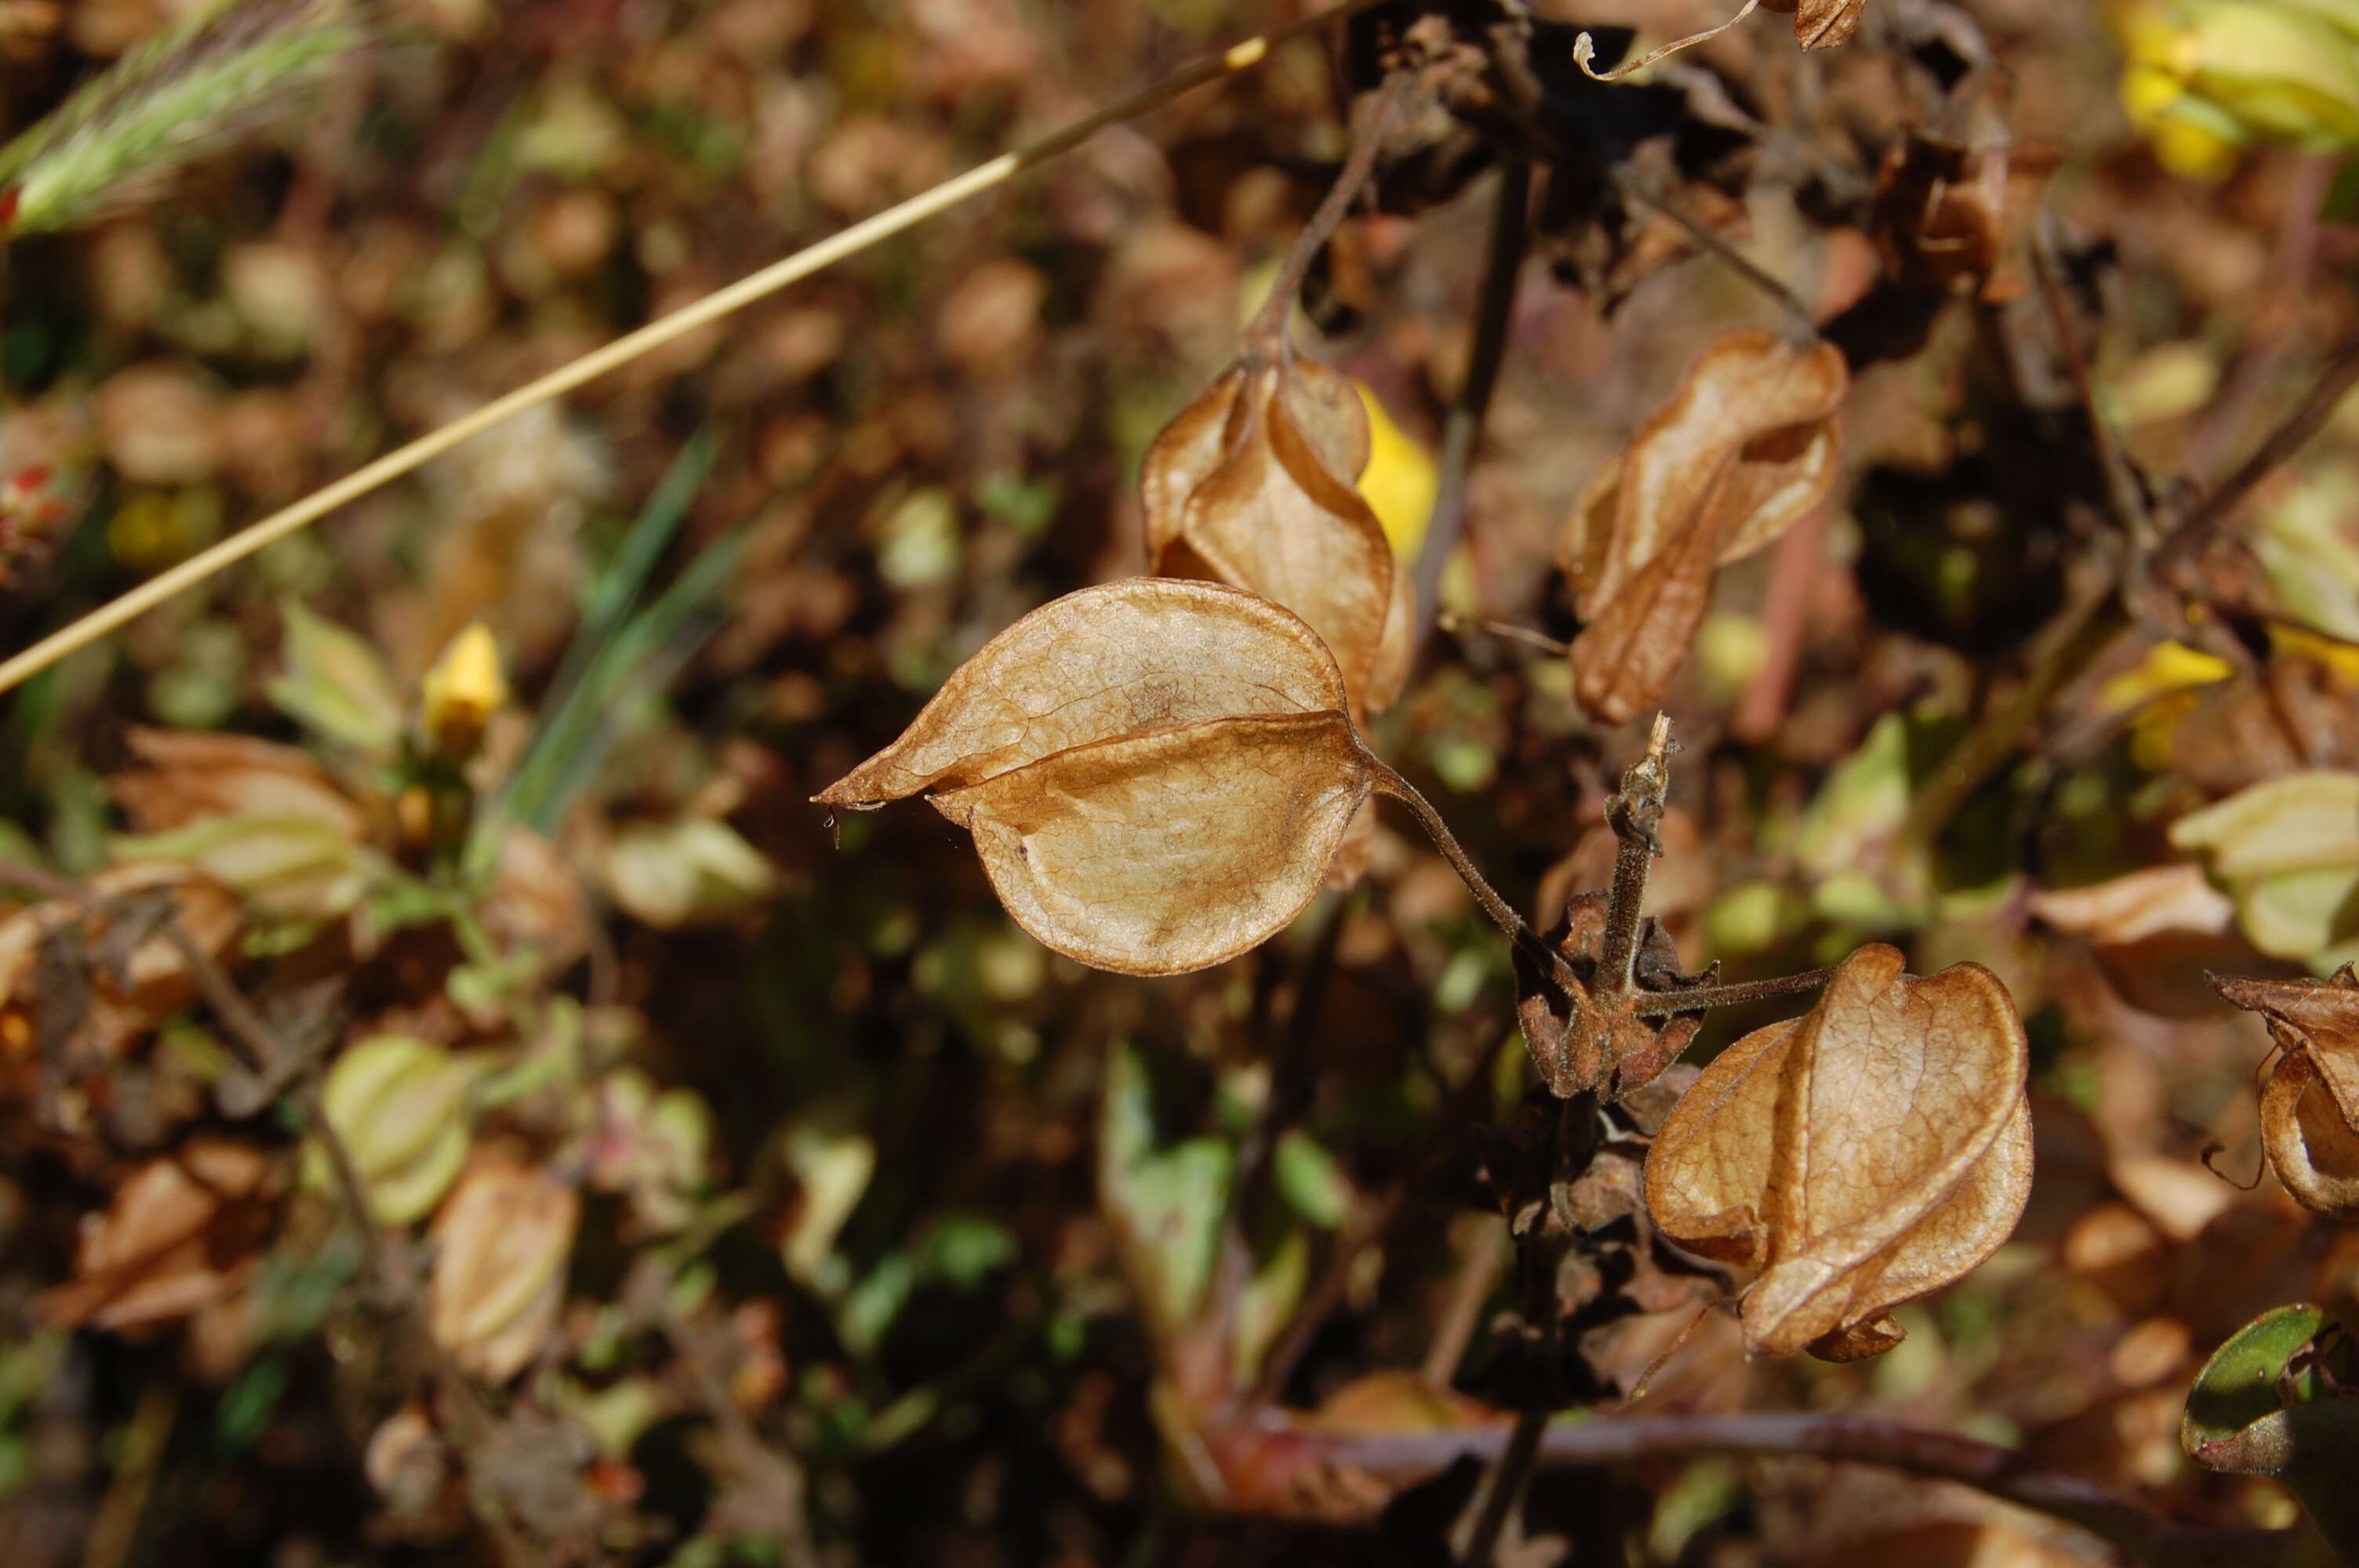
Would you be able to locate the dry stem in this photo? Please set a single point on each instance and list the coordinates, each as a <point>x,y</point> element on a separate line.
<point>2000,1472</point>
<point>1462,432</point>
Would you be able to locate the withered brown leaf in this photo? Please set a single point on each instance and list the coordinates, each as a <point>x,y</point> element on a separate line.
<point>1746,449</point>
<point>2309,1112</point>
<point>185,775</point>
<point>1874,1149</point>
<point>502,1241</point>
<point>180,1234</point>
<point>1252,486</point>
<point>1157,772</point>
<point>1952,215</point>
<point>1821,24</point>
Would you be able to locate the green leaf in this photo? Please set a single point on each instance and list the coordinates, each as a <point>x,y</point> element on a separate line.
<point>2263,1405</point>
<point>1165,1207</point>
<point>337,686</point>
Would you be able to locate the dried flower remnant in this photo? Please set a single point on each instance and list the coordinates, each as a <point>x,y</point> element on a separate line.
<point>2310,1111</point>
<point>1156,773</point>
<point>1870,1151</point>
<point>180,1234</point>
<point>1821,24</point>
<point>1747,448</point>
<point>502,1241</point>
<point>1253,484</point>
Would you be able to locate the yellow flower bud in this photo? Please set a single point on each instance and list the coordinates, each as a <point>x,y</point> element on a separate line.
<point>462,691</point>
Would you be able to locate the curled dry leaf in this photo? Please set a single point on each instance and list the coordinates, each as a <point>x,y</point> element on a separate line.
<point>2310,1111</point>
<point>184,777</point>
<point>1747,448</point>
<point>501,1241</point>
<point>2152,933</point>
<point>1950,215</point>
<point>1156,773</point>
<point>1253,485</point>
<point>180,1234</point>
<point>1821,24</point>
<point>1874,1149</point>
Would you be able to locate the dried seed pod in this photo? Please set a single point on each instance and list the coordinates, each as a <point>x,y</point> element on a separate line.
<point>2309,1112</point>
<point>1252,486</point>
<point>1747,448</point>
<point>1874,1149</point>
<point>1157,772</point>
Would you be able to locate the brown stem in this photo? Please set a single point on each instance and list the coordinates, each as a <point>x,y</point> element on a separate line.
<point>1632,814</point>
<point>2000,1472</point>
<point>2123,491</point>
<point>2279,310</point>
<point>1265,338</point>
<point>1501,913</point>
<point>1494,308</point>
<point>1505,630</point>
<point>1798,315</point>
<point>1795,564</point>
<point>2088,630</point>
<point>2195,530</point>
<point>1369,1227</point>
<point>1505,1487</point>
<point>1661,1005</point>
<point>1478,1270</point>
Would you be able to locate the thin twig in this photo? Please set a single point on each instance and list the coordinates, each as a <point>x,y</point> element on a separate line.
<point>1661,1005</point>
<point>1798,320</point>
<point>2087,630</point>
<point>1266,335</point>
<point>1632,814</point>
<point>1506,630</point>
<point>1504,1488</point>
<point>2195,530</point>
<point>2000,1472</point>
<point>1478,1272</point>
<point>1502,915</point>
<point>1462,432</point>
<point>2123,491</point>
<point>2264,351</point>
<point>624,350</point>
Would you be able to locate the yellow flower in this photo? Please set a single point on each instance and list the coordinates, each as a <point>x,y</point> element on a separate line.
<point>462,691</point>
<point>1399,482</point>
<point>2204,78</point>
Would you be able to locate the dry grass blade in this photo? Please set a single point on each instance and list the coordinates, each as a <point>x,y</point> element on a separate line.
<point>228,70</point>
<point>792,269</point>
<point>1157,772</point>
